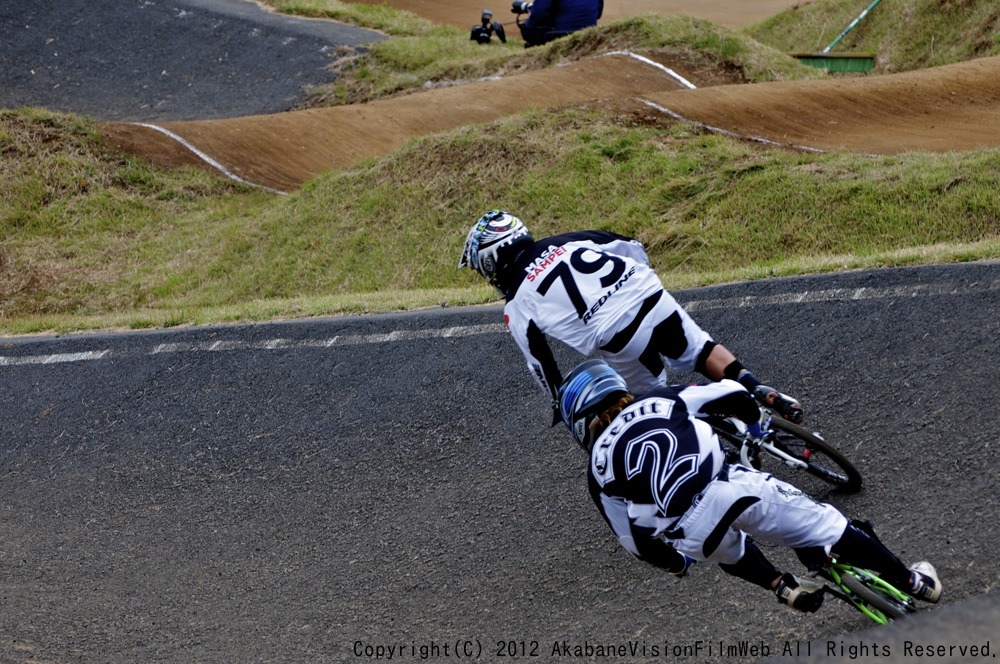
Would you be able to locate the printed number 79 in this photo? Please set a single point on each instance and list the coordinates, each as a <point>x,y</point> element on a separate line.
<point>564,273</point>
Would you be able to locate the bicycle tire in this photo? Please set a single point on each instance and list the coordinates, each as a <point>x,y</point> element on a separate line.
<point>817,454</point>
<point>890,608</point>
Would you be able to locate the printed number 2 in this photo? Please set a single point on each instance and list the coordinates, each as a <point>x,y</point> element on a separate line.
<point>653,454</point>
<point>564,273</point>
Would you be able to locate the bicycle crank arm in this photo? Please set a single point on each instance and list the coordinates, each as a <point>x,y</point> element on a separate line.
<point>839,594</point>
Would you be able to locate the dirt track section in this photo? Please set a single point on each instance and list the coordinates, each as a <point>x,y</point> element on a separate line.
<point>283,151</point>
<point>949,108</point>
<point>465,13</point>
<point>202,60</point>
<point>956,107</point>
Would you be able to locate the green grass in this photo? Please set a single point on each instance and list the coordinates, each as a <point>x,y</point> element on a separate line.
<point>904,34</point>
<point>91,240</point>
<point>423,54</point>
<point>419,52</point>
<point>374,16</point>
<point>134,247</point>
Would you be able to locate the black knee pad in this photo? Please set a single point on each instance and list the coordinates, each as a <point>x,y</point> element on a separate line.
<point>732,370</point>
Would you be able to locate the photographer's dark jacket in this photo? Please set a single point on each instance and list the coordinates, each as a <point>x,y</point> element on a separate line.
<point>550,19</point>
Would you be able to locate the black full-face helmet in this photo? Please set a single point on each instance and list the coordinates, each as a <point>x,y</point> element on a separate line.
<point>589,390</point>
<point>491,243</point>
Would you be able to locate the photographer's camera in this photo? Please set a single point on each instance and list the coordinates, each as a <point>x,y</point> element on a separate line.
<point>481,33</point>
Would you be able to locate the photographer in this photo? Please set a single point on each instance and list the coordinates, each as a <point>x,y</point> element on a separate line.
<point>550,19</point>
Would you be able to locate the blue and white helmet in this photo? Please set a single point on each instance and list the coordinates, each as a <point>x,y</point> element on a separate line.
<point>589,390</point>
<point>494,231</point>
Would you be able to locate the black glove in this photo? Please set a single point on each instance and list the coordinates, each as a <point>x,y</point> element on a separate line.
<point>688,562</point>
<point>520,7</point>
<point>800,594</point>
<point>786,406</point>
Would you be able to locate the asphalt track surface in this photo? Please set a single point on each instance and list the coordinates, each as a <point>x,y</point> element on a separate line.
<point>315,490</point>
<point>146,60</point>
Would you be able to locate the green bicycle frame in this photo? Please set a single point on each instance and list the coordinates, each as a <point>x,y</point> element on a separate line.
<point>836,571</point>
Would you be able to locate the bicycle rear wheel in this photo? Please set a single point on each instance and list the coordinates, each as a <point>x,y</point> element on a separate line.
<point>822,461</point>
<point>870,593</point>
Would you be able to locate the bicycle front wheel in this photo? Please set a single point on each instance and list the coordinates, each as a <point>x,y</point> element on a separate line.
<point>868,592</point>
<point>822,461</point>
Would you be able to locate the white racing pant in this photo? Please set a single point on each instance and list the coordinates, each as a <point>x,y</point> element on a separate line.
<point>750,502</point>
<point>663,333</point>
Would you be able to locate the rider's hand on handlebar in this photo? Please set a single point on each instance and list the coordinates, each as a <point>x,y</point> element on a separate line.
<point>784,405</point>
<point>802,594</point>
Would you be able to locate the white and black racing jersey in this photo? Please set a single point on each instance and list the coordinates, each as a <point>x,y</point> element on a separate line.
<point>580,288</point>
<point>654,458</point>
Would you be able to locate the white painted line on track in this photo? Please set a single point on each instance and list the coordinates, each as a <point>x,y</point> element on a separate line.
<point>279,343</point>
<point>835,294</point>
<point>53,359</point>
<point>725,132</point>
<point>204,157</point>
<point>339,340</point>
<point>670,72</point>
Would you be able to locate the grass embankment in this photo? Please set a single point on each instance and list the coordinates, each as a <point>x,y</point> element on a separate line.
<point>904,34</point>
<point>91,240</point>
<point>422,54</point>
<point>94,241</point>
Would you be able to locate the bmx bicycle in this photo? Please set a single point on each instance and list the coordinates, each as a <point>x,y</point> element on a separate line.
<point>797,451</point>
<point>863,589</point>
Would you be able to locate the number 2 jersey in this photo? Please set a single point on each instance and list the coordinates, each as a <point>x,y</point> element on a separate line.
<point>653,459</point>
<point>591,291</point>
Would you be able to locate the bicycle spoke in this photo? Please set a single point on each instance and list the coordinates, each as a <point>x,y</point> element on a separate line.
<point>823,462</point>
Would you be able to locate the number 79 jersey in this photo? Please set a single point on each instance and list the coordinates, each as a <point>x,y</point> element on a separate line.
<point>579,288</point>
